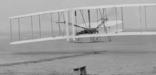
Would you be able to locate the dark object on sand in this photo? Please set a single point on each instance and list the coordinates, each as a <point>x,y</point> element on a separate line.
<point>80,70</point>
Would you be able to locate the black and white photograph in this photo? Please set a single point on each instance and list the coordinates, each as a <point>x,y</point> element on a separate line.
<point>78,37</point>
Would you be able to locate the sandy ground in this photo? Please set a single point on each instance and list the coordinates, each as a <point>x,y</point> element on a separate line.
<point>131,55</point>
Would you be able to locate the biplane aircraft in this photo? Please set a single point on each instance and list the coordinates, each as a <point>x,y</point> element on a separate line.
<point>85,22</point>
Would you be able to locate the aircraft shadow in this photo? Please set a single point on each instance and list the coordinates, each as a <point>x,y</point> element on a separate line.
<point>57,52</point>
<point>72,55</point>
<point>48,59</point>
<point>84,52</point>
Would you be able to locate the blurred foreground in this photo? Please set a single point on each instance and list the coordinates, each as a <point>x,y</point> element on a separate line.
<point>131,55</point>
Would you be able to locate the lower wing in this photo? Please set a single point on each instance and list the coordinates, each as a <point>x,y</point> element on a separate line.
<point>85,36</point>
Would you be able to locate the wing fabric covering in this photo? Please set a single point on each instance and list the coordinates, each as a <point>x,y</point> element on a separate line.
<point>99,21</point>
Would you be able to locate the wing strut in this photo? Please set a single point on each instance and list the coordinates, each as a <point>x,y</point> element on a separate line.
<point>103,21</point>
<point>19,29</point>
<point>75,13</point>
<point>11,32</point>
<point>51,22</point>
<point>140,17</point>
<point>97,15</point>
<point>73,22</point>
<point>67,15</point>
<point>39,18</point>
<point>83,18</point>
<point>59,23</point>
<point>116,18</point>
<point>32,31</point>
<point>145,11</point>
<point>64,21</point>
<point>89,18</point>
<point>122,18</point>
<point>106,16</point>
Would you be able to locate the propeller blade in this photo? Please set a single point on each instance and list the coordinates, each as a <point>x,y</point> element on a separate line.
<point>80,26</point>
<point>61,22</point>
<point>98,26</point>
<point>77,26</point>
<point>103,19</point>
<point>71,24</point>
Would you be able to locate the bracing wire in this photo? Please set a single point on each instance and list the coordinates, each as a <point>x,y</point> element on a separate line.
<point>11,31</point>
<point>83,17</point>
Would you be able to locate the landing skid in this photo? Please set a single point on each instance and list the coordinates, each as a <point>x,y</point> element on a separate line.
<point>92,40</point>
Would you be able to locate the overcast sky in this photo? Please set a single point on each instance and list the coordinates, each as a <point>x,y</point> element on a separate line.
<point>18,7</point>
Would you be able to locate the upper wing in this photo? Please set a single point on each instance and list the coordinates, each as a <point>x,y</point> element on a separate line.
<point>117,6</point>
<point>85,8</point>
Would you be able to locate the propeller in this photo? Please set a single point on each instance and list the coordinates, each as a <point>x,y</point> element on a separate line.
<point>74,25</point>
<point>80,26</point>
<point>61,22</point>
<point>98,26</point>
<point>103,19</point>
